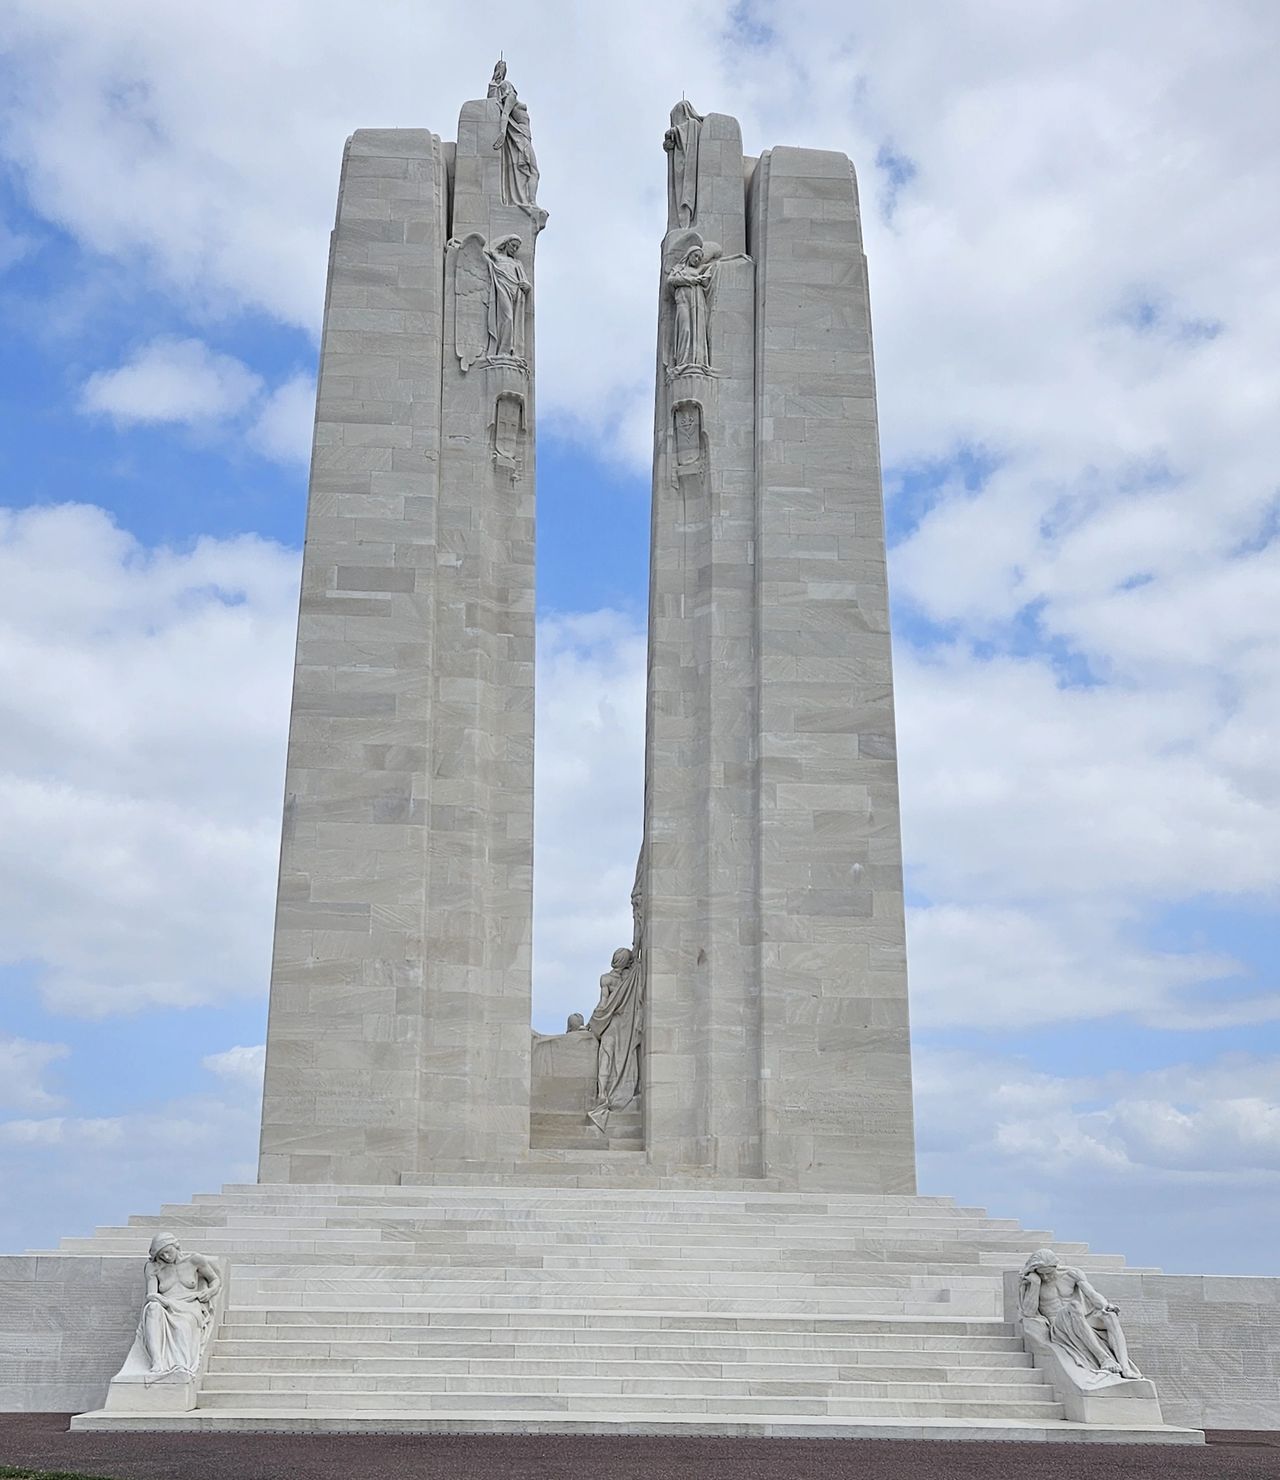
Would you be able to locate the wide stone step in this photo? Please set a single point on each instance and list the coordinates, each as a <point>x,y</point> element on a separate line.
<point>495,1185</point>
<point>645,1275</point>
<point>764,1384</point>
<point>502,1296</point>
<point>663,1322</point>
<point>495,1400</point>
<point>385,1329</point>
<point>227,1371</point>
<point>237,1353</point>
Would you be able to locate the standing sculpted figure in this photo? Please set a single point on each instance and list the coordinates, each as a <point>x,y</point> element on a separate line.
<point>511,288</point>
<point>681,143</point>
<point>616,1023</point>
<point>515,139</point>
<point>691,284</point>
<point>1057,1301</point>
<point>177,1312</point>
<point>491,291</point>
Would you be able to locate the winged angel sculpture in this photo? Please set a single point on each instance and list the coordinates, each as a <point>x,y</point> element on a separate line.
<point>491,290</point>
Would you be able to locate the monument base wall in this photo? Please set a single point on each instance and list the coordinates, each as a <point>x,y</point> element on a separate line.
<point>66,1322</point>
<point>767,1274</point>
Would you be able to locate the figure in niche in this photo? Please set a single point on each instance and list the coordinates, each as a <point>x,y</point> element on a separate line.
<point>681,143</point>
<point>176,1314</point>
<point>618,1021</point>
<point>1059,1304</point>
<point>616,1024</point>
<point>691,286</point>
<point>515,139</point>
<point>491,290</point>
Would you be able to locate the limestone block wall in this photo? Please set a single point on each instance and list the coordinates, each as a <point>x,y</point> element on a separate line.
<point>66,1324</point>
<point>398,1032</point>
<point>777,1035</point>
<point>475,1085</point>
<point>1210,1342</point>
<point>700,1054</point>
<point>835,1046</point>
<point>346,1017</point>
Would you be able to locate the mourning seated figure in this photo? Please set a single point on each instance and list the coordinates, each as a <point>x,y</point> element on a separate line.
<point>177,1311</point>
<point>1058,1304</point>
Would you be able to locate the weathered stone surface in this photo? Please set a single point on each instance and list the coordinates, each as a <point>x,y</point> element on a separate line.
<point>778,1040</point>
<point>400,1003</point>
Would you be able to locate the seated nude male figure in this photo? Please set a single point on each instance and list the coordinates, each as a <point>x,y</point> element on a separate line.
<point>1077,1316</point>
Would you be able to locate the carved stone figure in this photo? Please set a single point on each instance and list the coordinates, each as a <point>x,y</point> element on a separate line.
<point>691,286</point>
<point>515,139</point>
<point>491,290</point>
<point>576,1023</point>
<point>176,1313</point>
<point>617,1025</point>
<point>681,143</point>
<point>1059,1304</point>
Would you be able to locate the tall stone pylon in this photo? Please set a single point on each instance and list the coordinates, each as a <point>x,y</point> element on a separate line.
<point>777,1040</point>
<point>398,1032</point>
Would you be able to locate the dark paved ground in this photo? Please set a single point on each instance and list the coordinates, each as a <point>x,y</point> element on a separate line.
<point>41,1440</point>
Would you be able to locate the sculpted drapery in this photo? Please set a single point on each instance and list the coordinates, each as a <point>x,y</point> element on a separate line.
<point>1059,1303</point>
<point>618,1021</point>
<point>515,139</point>
<point>691,286</point>
<point>681,143</point>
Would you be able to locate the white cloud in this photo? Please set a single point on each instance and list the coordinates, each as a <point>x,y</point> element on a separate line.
<point>243,1064</point>
<point>185,383</point>
<point>172,380</point>
<point>283,425</point>
<point>143,704</point>
<point>22,1069</point>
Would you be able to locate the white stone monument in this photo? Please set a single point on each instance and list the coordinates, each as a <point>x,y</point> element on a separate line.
<point>766,1002</point>
<point>694,1211</point>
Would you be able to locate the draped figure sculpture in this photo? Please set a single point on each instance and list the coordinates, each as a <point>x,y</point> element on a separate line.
<point>515,139</point>
<point>681,143</point>
<point>691,286</point>
<point>618,1021</point>
<point>176,1314</point>
<point>1059,1304</point>
<point>491,292</point>
<point>176,1321</point>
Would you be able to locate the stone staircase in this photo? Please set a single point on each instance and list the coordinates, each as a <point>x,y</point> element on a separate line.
<point>521,1308</point>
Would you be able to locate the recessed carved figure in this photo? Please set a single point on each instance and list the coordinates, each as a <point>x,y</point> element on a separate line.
<point>515,139</point>
<point>491,290</point>
<point>681,143</point>
<point>691,286</point>
<point>617,1024</point>
<point>1059,1303</point>
<point>176,1314</point>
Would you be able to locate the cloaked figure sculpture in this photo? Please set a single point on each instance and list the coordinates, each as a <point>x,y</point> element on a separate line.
<point>681,143</point>
<point>617,1025</point>
<point>177,1314</point>
<point>1059,1304</point>
<point>618,1021</point>
<point>515,139</point>
<point>691,285</point>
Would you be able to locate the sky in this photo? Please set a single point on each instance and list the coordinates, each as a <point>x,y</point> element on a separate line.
<point>1072,219</point>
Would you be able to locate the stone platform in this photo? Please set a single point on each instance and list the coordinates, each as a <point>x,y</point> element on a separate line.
<point>487,1307</point>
